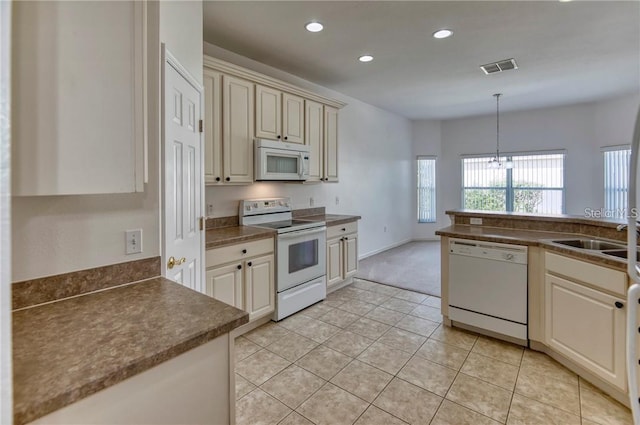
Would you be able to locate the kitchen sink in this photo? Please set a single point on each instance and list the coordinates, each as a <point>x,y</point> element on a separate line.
<point>621,253</point>
<point>590,244</point>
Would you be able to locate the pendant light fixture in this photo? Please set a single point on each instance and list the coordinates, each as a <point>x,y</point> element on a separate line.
<point>495,162</point>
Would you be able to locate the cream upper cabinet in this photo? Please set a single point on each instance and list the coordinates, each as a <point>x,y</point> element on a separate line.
<point>330,144</point>
<point>293,118</point>
<point>212,126</point>
<point>237,129</point>
<point>78,97</point>
<point>279,116</point>
<point>314,131</point>
<point>268,113</point>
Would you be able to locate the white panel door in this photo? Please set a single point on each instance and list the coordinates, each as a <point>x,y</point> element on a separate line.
<point>182,180</point>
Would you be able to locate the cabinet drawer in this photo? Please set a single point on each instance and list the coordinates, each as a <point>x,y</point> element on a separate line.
<point>238,252</point>
<point>342,229</point>
<point>597,276</point>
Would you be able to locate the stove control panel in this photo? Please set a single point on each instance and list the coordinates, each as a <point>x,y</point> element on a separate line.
<point>264,206</point>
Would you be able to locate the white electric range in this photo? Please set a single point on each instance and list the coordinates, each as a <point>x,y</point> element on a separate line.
<point>300,253</point>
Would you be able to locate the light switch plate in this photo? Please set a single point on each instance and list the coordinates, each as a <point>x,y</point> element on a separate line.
<point>133,241</point>
<point>475,220</point>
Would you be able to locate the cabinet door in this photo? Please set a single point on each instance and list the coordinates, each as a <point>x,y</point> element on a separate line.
<point>330,144</point>
<point>260,286</point>
<point>350,255</point>
<point>225,284</point>
<point>78,116</point>
<point>292,118</point>
<point>212,126</point>
<point>586,326</point>
<point>313,129</point>
<point>268,110</point>
<point>237,130</point>
<point>334,262</point>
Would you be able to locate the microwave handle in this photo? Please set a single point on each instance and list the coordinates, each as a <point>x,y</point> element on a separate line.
<point>300,164</point>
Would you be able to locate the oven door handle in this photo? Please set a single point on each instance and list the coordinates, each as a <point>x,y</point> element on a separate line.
<point>292,235</point>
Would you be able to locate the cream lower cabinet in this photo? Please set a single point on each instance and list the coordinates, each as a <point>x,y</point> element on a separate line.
<point>583,323</point>
<point>243,275</point>
<point>342,254</point>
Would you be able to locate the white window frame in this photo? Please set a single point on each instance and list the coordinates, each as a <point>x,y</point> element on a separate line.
<point>432,216</point>
<point>613,210</point>
<point>508,156</point>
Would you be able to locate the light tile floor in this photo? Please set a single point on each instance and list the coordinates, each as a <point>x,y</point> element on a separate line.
<point>373,354</point>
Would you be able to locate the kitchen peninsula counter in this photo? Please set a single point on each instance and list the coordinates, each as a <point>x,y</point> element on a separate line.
<point>67,350</point>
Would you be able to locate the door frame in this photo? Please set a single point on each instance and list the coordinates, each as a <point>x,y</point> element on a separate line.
<point>168,59</point>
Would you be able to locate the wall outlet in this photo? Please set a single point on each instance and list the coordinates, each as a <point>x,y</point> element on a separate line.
<point>475,220</point>
<point>337,201</point>
<point>133,241</point>
<point>209,210</point>
<point>312,201</point>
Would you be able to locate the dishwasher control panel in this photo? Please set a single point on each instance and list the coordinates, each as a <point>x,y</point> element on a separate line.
<point>489,250</point>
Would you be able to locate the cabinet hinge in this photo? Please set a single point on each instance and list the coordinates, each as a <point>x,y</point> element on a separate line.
<point>201,125</point>
<point>201,223</point>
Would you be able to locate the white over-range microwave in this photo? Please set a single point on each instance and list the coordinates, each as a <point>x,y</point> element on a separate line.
<point>280,161</point>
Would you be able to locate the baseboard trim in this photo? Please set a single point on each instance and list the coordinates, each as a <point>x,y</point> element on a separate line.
<point>386,248</point>
<point>434,239</point>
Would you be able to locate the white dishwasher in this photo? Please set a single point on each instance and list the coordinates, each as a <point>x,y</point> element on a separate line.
<point>488,287</point>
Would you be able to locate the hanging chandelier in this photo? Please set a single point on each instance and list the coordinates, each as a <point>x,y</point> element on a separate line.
<point>495,162</point>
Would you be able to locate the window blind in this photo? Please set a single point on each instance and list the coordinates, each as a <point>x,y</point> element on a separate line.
<point>426,189</point>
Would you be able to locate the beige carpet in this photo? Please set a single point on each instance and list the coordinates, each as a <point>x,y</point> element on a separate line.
<point>414,266</point>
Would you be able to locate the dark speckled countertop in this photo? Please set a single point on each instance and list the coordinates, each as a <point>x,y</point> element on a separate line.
<point>221,236</point>
<point>67,350</point>
<point>533,238</point>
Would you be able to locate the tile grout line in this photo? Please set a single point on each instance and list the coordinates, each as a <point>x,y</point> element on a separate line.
<point>513,393</point>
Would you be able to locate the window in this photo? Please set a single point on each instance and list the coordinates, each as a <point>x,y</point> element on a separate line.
<point>616,180</point>
<point>534,185</point>
<point>426,189</point>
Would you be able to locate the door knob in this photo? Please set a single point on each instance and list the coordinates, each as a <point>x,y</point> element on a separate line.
<point>173,262</point>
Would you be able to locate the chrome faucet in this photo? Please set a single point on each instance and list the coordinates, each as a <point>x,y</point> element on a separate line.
<point>621,227</point>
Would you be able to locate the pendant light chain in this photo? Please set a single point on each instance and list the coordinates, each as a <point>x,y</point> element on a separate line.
<point>497,95</point>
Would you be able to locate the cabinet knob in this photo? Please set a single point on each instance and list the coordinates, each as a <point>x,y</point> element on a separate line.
<point>244,251</point>
<point>285,138</point>
<point>249,264</point>
<point>278,136</point>
<point>619,304</point>
<point>228,179</point>
<point>344,229</point>
<point>239,266</point>
<point>217,179</point>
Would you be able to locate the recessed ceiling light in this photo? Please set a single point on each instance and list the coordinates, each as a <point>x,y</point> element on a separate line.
<point>314,27</point>
<point>444,33</point>
<point>365,58</point>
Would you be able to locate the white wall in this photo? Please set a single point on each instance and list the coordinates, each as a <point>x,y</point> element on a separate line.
<point>580,129</point>
<point>181,31</point>
<point>59,234</point>
<point>375,169</point>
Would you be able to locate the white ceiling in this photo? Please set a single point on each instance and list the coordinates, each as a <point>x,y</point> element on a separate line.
<point>568,53</point>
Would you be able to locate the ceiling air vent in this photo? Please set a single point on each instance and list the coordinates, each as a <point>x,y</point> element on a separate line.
<point>503,65</point>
